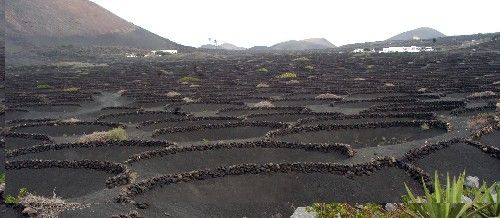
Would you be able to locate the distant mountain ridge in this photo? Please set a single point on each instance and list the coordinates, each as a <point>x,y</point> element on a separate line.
<point>419,33</point>
<point>306,44</point>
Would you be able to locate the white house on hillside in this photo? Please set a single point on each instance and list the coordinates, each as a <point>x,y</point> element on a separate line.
<point>164,51</point>
<point>401,49</point>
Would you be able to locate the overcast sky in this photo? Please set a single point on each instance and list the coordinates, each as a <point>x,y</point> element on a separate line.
<point>266,22</point>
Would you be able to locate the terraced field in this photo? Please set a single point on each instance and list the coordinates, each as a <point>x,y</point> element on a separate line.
<point>222,138</point>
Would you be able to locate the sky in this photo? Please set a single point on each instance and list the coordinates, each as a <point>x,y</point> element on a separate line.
<point>266,22</point>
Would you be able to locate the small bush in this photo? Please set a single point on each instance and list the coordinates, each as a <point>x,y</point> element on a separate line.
<point>188,79</point>
<point>264,104</point>
<point>187,100</point>
<point>262,70</point>
<point>287,75</point>
<point>328,96</point>
<point>172,94</point>
<point>291,82</point>
<point>334,210</point>
<point>9,199</point>
<point>481,94</point>
<point>301,59</point>
<point>309,68</point>
<point>262,85</point>
<point>43,86</point>
<point>2,178</point>
<point>484,122</point>
<point>116,134</point>
<point>71,89</point>
<point>424,126</point>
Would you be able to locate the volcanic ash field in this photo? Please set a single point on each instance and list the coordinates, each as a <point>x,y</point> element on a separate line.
<point>224,138</point>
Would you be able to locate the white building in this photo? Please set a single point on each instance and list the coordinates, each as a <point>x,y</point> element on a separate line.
<point>401,49</point>
<point>362,50</point>
<point>358,50</point>
<point>164,51</point>
<point>428,49</point>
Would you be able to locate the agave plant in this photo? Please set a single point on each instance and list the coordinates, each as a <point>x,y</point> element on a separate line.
<point>488,202</point>
<point>444,202</point>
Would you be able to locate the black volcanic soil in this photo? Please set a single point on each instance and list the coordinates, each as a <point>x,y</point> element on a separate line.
<point>187,161</point>
<point>459,157</point>
<point>388,92</point>
<point>66,183</point>
<point>244,132</point>
<point>360,138</point>
<point>268,195</point>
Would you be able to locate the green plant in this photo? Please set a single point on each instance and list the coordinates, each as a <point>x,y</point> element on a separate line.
<point>333,210</point>
<point>71,89</point>
<point>488,202</point>
<point>2,178</point>
<point>287,75</point>
<point>443,202</point>
<point>116,134</point>
<point>16,199</point>
<point>262,70</point>
<point>188,79</point>
<point>43,86</point>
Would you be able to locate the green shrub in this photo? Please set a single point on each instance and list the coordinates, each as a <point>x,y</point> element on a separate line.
<point>2,178</point>
<point>488,202</point>
<point>43,86</point>
<point>446,201</point>
<point>9,199</point>
<point>262,70</point>
<point>71,89</point>
<point>116,134</point>
<point>332,210</point>
<point>443,202</point>
<point>287,75</point>
<point>188,79</point>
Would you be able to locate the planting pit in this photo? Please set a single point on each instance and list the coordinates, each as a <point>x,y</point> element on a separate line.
<point>185,122</point>
<point>64,129</point>
<point>236,112</point>
<point>66,179</point>
<point>207,133</point>
<point>280,117</point>
<point>268,194</point>
<point>492,139</point>
<point>137,117</point>
<point>104,151</point>
<point>203,107</point>
<point>350,121</point>
<point>358,136</point>
<point>343,107</point>
<point>302,102</point>
<point>458,157</point>
<point>63,108</point>
<point>17,140</point>
<point>177,160</point>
